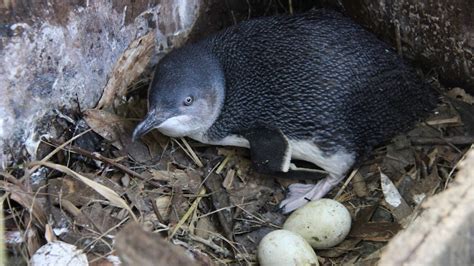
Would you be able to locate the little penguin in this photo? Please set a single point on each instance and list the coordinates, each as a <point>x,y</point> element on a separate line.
<point>315,87</point>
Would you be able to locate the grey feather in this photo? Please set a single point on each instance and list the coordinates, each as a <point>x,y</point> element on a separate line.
<point>316,76</point>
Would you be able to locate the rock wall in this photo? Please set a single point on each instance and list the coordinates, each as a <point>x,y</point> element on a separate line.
<point>436,35</point>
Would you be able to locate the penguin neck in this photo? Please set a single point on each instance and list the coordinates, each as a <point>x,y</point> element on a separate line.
<point>218,98</point>
<point>201,135</point>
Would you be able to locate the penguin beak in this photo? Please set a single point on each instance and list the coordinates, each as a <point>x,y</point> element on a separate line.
<point>151,121</point>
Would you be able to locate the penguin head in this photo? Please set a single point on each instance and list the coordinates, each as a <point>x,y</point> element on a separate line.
<point>186,94</point>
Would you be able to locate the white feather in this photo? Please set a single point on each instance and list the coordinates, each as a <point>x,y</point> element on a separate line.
<point>231,140</point>
<point>337,164</point>
<point>176,125</point>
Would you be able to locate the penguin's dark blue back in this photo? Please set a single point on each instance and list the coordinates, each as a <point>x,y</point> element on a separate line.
<point>316,76</point>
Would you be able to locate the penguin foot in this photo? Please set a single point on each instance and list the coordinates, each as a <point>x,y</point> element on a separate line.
<point>300,194</point>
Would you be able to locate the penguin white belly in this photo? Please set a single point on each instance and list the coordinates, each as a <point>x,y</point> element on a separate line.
<point>337,164</point>
<point>231,140</point>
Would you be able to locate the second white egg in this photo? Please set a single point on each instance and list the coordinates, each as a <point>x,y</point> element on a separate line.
<point>322,223</point>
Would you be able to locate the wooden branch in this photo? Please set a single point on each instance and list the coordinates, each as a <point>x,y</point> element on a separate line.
<point>135,246</point>
<point>457,140</point>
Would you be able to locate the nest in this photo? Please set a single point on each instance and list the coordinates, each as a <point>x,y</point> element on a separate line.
<point>197,203</point>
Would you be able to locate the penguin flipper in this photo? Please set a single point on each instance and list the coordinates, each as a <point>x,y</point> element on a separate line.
<point>270,150</point>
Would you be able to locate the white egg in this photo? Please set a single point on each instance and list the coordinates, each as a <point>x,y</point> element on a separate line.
<point>323,223</point>
<point>282,247</point>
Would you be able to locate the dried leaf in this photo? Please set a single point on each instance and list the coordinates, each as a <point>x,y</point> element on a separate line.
<point>72,190</point>
<point>341,249</point>
<point>441,121</point>
<point>118,131</point>
<point>106,192</point>
<point>427,186</point>
<point>28,202</point>
<point>229,179</point>
<point>394,200</point>
<point>103,219</point>
<point>188,212</point>
<point>161,175</point>
<point>136,246</point>
<point>186,180</point>
<point>49,234</point>
<point>108,125</point>
<point>110,260</point>
<point>204,226</point>
<point>466,113</point>
<point>163,204</point>
<point>374,231</point>
<point>461,94</point>
<point>190,152</point>
<point>360,187</point>
<point>136,195</point>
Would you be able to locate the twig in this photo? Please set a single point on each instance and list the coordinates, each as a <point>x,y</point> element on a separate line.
<point>398,39</point>
<point>222,209</point>
<point>3,257</point>
<point>11,179</point>
<point>22,197</point>
<point>230,243</point>
<point>345,184</point>
<point>208,175</point>
<point>98,156</point>
<point>157,211</point>
<point>109,194</point>
<point>222,165</point>
<point>456,166</point>
<point>359,185</point>
<point>92,243</point>
<point>208,242</point>
<point>193,154</point>
<point>51,154</point>
<point>188,213</point>
<point>198,162</point>
<point>457,140</point>
<point>258,218</point>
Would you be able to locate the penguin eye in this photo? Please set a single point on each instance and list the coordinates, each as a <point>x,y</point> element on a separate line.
<point>188,101</point>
